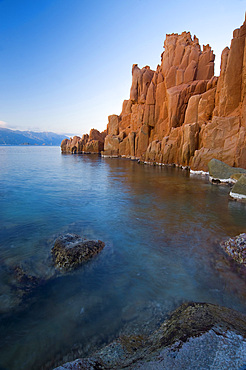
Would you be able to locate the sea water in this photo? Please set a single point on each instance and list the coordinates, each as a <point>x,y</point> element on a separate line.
<point>161,226</point>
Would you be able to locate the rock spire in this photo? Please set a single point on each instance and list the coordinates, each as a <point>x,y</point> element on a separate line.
<point>181,113</point>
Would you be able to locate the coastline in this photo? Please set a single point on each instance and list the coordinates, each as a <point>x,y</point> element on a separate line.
<point>162,229</point>
<point>140,352</point>
<point>179,113</point>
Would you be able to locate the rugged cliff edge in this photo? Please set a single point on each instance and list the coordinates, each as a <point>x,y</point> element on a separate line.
<point>181,113</point>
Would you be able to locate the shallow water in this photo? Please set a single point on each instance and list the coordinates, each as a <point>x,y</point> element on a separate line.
<point>161,227</point>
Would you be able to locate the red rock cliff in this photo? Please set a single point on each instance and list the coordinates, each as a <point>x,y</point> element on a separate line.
<point>181,113</point>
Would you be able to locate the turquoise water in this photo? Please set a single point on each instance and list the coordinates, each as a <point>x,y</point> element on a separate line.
<point>162,228</point>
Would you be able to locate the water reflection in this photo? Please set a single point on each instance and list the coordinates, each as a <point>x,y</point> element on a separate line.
<point>162,230</point>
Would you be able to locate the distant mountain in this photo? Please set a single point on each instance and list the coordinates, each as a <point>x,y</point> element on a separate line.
<point>15,137</point>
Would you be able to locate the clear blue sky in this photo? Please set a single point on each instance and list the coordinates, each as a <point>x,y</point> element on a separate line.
<point>65,65</point>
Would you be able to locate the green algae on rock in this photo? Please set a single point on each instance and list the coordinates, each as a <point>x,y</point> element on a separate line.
<point>70,251</point>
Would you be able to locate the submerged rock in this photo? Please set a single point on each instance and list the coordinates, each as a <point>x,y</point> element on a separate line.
<point>25,283</point>
<point>196,335</point>
<point>21,281</point>
<point>17,286</point>
<point>236,248</point>
<point>70,251</point>
<point>222,172</point>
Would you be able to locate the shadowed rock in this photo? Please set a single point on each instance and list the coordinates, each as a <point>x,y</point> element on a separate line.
<point>221,171</point>
<point>196,335</point>
<point>238,190</point>
<point>70,251</point>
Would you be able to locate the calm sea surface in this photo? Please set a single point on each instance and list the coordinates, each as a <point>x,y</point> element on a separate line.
<point>162,228</point>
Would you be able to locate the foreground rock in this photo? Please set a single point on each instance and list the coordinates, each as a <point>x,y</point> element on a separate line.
<point>236,248</point>
<point>196,336</point>
<point>70,251</point>
<point>222,172</point>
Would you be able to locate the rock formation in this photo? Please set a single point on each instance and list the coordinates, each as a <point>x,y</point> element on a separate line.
<point>92,143</point>
<point>181,113</point>
<point>151,125</point>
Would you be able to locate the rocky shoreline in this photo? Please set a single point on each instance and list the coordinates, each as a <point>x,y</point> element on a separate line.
<point>195,335</point>
<point>219,173</point>
<point>182,115</point>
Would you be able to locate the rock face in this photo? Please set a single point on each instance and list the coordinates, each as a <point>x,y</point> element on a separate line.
<point>181,113</point>
<point>236,248</point>
<point>92,143</point>
<point>70,251</point>
<point>196,335</point>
